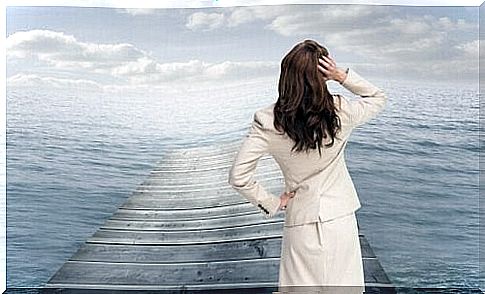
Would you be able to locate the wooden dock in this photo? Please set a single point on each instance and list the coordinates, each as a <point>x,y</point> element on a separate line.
<point>184,228</point>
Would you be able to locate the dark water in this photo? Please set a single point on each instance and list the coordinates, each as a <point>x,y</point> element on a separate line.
<point>73,156</point>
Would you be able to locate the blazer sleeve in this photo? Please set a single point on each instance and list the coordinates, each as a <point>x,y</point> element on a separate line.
<point>372,101</point>
<point>241,173</point>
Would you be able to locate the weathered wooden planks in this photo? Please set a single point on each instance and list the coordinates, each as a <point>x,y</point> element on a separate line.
<point>260,270</point>
<point>184,227</point>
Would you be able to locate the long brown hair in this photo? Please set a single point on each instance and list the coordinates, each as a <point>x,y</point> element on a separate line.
<point>305,108</point>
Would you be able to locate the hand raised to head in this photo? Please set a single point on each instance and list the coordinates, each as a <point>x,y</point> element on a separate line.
<point>328,67</point>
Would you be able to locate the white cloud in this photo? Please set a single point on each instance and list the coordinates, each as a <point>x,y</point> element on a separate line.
<point>374,31</point>
<point>64,51</point>
<point>205,21</point>
<point>197,70</point>
<point>284,19</point>
<point>239,17</point>
<point>355,28</point>
<point>37,80</point>
<point>380,34</point>
<point>235,16</point>
<point>137,11</point>
<point>469,48</point>
<point>120,62</point>
<point>391,41</point>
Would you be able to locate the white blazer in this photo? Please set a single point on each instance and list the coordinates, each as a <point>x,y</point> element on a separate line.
<point>324,188</point>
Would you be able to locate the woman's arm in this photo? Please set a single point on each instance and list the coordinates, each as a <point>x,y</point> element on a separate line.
<point>253,147</point>
<point>372,101</point>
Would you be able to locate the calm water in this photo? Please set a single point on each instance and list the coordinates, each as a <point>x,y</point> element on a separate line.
<point>73,156</point>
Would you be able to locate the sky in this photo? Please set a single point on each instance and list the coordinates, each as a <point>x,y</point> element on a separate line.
<point>127,48</point>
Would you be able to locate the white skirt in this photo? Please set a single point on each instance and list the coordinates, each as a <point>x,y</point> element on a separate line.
<point>322,256</point>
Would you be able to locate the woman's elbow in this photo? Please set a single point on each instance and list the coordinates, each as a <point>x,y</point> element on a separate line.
<point>235,179</point>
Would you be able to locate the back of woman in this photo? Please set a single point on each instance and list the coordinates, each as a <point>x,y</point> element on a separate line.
<point>306,131</point>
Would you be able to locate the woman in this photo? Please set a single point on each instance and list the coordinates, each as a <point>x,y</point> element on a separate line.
<point>306,131</point>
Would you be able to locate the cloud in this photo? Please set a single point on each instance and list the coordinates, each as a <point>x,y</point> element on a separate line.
<point>205,21</point>
<point>383,35</point>
<point>123,63</point>
<point>385,38</point>
<point>197,70</point>
<point>37,80</point>
<point>469,48</point>
<point>364,29</point>
<point>284,19</point>
<point>64,51</point>
<point>322,20</point>
<point>234,16</point>
<point>137,11</point>
<point>414,46</point>
<point>34,80</point>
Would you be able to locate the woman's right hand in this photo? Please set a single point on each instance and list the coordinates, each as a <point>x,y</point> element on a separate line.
<point>329,69</point>
<point>285,197</point>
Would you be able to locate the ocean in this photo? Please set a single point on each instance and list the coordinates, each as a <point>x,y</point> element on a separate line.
<point>74,155</point>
